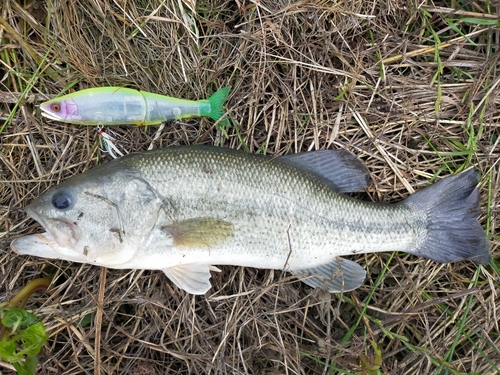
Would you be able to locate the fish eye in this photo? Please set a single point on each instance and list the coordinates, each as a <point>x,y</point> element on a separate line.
<point>63,199</point>
<point>55,107</point>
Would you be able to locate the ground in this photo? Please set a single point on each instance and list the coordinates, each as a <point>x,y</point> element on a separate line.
<point>411,88</point>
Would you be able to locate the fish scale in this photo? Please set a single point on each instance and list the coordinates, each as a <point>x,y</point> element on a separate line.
<point>185,210</point>
<point>318,222</point>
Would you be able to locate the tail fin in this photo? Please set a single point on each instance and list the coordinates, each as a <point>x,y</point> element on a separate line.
<point>453,232</point>
<point>216,101</point>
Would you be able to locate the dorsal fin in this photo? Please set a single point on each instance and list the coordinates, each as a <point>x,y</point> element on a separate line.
<point>345,172</point>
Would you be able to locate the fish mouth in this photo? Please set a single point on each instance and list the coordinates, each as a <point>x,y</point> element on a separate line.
<point>43,245</point>
<point>58,243</point>
<point>63,233</point>
<point>40,245</point>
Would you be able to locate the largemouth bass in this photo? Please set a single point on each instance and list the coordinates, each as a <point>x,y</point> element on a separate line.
<point>119,105</point>
<point>185,210</point>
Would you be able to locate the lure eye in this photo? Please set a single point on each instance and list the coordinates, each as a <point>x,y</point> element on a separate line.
<point>62,200</point>
<point>55,107</point>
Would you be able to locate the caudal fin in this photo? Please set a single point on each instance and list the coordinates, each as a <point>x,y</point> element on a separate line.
<point>453,232</point>
<point>216,101</point>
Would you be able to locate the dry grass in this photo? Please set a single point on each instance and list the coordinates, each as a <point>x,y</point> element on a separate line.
<point>410,87</point>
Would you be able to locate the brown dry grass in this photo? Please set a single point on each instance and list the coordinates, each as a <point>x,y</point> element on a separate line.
<point>390,81</point>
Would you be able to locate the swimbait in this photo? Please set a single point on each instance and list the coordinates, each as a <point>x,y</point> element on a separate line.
<point>119,105</point>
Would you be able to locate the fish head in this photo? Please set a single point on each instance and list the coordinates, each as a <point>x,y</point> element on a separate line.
<point>99,217</point>
<point>61,109</point>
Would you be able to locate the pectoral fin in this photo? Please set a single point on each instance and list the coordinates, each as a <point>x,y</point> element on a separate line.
<point>341,275</point>
<point>193,278</point>
<point>199,232</point>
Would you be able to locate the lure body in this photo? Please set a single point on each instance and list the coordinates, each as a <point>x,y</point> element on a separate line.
<point>119,105</point>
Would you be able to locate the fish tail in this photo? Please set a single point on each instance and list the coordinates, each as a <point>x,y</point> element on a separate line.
<point>216,101</point>
<point>451,207</point>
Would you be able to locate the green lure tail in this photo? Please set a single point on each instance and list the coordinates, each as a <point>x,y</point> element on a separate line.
<point>216,102</point>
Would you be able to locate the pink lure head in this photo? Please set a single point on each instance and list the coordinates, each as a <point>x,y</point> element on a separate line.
<point>60,109</point>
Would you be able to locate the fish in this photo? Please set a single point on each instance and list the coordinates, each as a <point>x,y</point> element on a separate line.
<point>186,210</point>
<point>120,106</point>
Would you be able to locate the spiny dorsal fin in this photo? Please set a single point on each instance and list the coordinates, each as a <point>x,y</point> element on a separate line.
<point>345,172</point>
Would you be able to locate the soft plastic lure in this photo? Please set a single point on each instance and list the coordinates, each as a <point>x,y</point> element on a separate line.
<point>118,105</point>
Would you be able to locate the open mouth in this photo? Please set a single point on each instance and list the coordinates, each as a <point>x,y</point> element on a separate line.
<point>40,245</point>
<point>43,245</point>
<point>63,233</point>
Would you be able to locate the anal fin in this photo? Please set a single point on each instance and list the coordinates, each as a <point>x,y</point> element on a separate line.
<point>340,275</point>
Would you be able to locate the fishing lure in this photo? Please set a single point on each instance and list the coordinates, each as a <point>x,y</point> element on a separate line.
<point>110,142</point>
<point>119,105</point>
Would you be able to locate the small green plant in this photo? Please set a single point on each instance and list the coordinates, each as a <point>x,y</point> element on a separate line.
<point>371,365</point>
<point>21,339</point>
